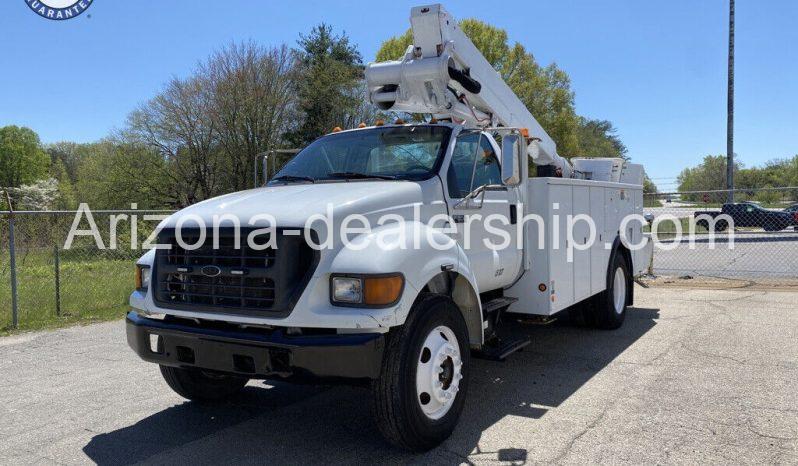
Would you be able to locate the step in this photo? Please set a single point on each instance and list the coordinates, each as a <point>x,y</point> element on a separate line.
<point>497,304</point>
<point>503,349</point>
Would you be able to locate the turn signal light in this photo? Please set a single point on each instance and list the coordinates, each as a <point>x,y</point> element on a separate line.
<point>366,290</point>
<point>381,291</point>
<point>142,277</point>
<point>138,278</point>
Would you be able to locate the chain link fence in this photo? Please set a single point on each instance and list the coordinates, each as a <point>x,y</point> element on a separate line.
<point>54,284</point>
<point>754,238</point>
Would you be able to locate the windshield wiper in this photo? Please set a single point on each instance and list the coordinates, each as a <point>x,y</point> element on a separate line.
<point>293,178</point>
<point>356,175</point>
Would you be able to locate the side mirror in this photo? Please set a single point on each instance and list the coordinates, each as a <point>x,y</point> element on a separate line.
<point>512,152</point>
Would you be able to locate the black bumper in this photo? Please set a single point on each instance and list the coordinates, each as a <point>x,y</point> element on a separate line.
<point>254,353</point>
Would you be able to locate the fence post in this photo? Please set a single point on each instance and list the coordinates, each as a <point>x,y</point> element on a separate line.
<point>651,264</point>
<point>12,247</point>
<point>57,261</point>
<point>651,260</point>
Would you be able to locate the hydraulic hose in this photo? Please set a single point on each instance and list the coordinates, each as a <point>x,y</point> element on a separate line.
<point>464,79</point>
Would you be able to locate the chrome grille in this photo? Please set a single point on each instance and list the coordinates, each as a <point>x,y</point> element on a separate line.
<point>230,277</point>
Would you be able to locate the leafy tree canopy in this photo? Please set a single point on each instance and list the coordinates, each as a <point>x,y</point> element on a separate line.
<point>22,158</point>
<point>329,85</point>
<point>710,174</point>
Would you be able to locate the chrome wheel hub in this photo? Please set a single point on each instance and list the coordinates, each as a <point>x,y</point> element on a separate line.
<point>619,290</point>
<point>438,372</point>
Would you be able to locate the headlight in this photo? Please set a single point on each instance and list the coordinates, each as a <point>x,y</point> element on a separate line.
<point>142,277</point>
<point>366,290</point>
<point>347,290</point>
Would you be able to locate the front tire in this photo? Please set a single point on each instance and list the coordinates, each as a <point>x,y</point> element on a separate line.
<point>422,387</point>
<point>197,385</point>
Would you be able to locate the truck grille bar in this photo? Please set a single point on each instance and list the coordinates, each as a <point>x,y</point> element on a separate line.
<point>231,278</point>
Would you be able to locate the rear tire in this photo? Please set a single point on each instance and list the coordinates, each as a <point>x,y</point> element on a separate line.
<point>610,309</point>
<point>423,382</point>
<point>606,310</point>
<point>197,385</point>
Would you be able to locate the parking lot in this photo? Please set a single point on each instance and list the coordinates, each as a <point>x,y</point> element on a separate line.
<point>694,376</point>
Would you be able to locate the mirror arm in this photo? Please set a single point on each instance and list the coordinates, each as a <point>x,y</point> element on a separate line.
<point>480,191</point>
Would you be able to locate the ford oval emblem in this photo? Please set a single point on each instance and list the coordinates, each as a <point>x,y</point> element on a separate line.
<point>211,271</point>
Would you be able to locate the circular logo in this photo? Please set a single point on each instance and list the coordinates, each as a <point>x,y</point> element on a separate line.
<point>58,10</point>
<point>211,271</point>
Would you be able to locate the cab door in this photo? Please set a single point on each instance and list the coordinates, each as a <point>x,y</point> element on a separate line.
<point>486,225</point>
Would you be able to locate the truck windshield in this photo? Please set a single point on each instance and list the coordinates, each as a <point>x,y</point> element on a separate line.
<point>391,152</point>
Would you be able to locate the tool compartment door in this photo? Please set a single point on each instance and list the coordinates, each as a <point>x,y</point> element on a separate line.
<point>561,270</point>
<point>599,254</point>
<point>581,238</point>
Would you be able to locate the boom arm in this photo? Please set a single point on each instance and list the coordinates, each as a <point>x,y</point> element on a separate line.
<point>443,73</point>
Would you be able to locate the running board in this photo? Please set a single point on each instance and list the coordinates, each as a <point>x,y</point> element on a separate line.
<point>498,304</point>
<point>504,349</point>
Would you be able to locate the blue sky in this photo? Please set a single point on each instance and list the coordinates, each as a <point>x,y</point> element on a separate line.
<point>657,70</point>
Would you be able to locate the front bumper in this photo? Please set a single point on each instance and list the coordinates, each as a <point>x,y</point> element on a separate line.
<point>256,353</point>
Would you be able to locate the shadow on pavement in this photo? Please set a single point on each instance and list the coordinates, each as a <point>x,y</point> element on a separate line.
<point>187,422</point>
<point>560,360</point>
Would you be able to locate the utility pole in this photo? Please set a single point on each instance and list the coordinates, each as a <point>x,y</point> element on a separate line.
<point>730,111</point>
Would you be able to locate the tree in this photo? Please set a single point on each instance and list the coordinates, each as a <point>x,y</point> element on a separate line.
<point>113,174</point>
<point>648,186</point>
<point>208,128</point>
<point>252,105</point>
<point>599,138</point>
<point>68,154</point>
<point>329,86</point>
<point>177,123</point>
<point>66,191</point>
<point>22,159</point>
<point>40,195</point>
<point>709,175</point>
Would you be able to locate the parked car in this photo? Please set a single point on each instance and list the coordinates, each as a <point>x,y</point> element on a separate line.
<point>747,214</point>
<point>792,208</point>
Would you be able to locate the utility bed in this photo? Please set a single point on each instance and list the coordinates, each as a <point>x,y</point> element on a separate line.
<point>552,280</point>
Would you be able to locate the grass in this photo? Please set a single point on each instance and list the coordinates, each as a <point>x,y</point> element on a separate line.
<point>93,289</point>
<point>668,227</point>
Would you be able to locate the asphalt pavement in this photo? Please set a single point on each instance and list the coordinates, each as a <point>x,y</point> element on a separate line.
<point>693,376</point>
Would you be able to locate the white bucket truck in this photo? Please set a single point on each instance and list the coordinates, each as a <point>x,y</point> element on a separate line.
<point>270,291</point>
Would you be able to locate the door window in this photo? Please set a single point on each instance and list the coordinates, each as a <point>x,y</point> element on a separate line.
<point>487,169</point>
<point>474,164</point>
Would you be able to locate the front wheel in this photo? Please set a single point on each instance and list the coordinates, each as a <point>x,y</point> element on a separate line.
<point>198,385</point>
<point>424,377</point>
